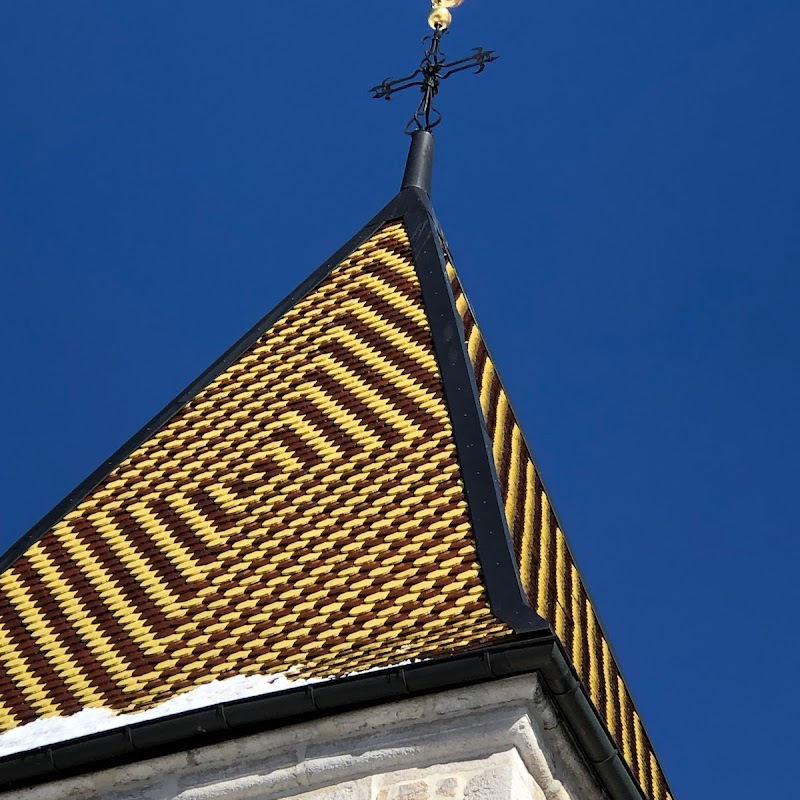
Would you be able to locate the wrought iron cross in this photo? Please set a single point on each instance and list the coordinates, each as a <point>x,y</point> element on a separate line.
<point>431,72</point>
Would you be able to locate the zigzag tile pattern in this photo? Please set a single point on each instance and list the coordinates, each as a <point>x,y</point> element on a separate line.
<point>304,515</point>
<point>549,575</point>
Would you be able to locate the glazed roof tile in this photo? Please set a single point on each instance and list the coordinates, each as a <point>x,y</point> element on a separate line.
<point>345,490</point>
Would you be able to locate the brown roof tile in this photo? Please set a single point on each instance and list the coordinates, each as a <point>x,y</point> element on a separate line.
<point>304,513</point>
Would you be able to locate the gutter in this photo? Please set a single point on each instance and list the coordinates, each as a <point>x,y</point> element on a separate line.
<point>239,718</point>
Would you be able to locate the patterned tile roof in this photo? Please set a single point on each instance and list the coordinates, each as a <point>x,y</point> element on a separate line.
<point>313,508</point>
<point>550,577</point>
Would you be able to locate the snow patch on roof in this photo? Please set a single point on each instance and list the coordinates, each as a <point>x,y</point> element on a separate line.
<point>52,730</point>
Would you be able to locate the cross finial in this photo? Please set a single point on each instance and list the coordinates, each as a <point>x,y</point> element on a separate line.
<point>433,70</point>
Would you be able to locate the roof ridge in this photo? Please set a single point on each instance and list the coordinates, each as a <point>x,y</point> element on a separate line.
<point>495,549</point>
<point>556,579</point>
<point>340,476</point>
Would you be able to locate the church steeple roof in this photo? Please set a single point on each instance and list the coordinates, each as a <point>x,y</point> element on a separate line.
<point>342,510</point>
<point>346,490</point>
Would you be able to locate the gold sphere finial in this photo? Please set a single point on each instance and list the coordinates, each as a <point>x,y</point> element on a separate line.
<point>441,17</point>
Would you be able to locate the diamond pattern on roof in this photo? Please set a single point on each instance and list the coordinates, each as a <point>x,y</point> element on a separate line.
<point>302,515</point>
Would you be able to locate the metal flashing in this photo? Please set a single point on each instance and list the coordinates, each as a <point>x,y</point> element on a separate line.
<point>495,551</point>
<point>531,453</point>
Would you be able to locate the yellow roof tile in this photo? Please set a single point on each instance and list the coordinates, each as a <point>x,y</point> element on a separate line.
<point>315,506</point>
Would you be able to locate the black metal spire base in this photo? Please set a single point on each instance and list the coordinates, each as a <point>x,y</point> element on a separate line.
<point>419,167</point>
<point>428,77</point>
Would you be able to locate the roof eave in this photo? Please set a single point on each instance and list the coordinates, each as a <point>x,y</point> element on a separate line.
<point>542,654</point>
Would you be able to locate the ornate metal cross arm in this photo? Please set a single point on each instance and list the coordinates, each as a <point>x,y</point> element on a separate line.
<point>431,72</point>
<point>479,59</point>
<point>390,86</point>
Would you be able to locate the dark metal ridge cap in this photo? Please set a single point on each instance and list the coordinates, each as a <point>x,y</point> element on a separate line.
<point>534,460</point>
<point>590,727</point>
<point>226,721</point>
<point>394,210</point>
<point>499,570</point>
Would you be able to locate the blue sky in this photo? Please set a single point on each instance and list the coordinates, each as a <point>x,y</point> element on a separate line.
<point>621,193</point>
